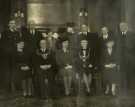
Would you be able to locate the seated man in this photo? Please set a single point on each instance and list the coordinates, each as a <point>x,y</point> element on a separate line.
<point>85,64</point>
<point>44,63</point>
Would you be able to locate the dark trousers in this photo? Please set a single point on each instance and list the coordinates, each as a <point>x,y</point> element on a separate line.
<point>42,85</point>
<point>35,85</point>
<point>8,68</point>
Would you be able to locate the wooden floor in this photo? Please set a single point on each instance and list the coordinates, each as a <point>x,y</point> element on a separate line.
<point>16,100</point>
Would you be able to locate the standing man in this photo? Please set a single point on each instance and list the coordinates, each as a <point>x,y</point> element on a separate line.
<point>10,39</point>
<point>33,35</point>
<point>126,54</point>
<point>72,37</point>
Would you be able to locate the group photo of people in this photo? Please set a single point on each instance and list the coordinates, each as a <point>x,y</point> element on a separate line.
<point>67,53</point>
<point>67,62</point>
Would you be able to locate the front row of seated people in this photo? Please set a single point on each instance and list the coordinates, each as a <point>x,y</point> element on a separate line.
<point>43,70</point>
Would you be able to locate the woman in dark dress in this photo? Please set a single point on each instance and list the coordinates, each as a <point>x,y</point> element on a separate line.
<point>23,69</point>
<point>110,68</point>
<point>65,62</point>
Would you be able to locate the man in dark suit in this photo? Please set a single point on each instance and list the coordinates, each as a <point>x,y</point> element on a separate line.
<point>10,38</point>
<point>126,54</point>
<point>71,35</point>
<point>33,35</point>
<point>44,70</point>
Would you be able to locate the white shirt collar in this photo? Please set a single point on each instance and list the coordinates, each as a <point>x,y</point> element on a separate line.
<point>43,49</point>
<point>83,33</point>
<point>124,33</point>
